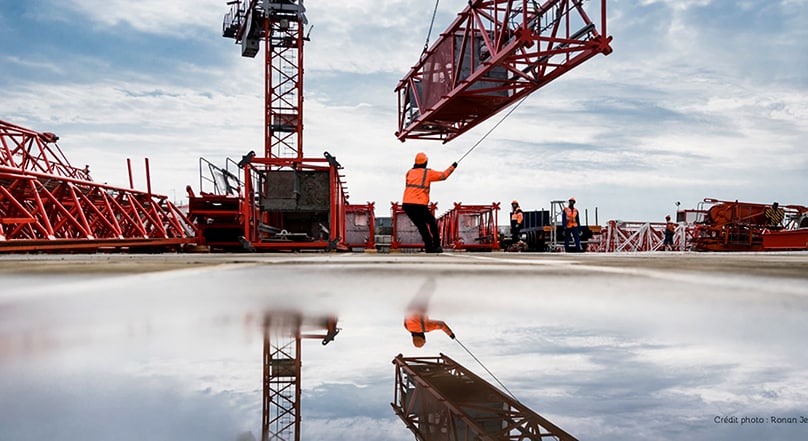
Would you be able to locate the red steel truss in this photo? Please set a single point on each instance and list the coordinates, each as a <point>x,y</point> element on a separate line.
<point>438,399</point>
<point>47,204</point>
<point>470,227</point>
<point>492,55</point>
<point>619,236</point>
<point>405,235</point>
<point>360,226</point>
<point>285,201</point>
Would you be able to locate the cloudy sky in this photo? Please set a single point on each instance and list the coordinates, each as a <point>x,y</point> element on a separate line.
<point>699,99</point>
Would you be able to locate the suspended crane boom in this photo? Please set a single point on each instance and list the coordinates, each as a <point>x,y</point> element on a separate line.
<point>494,53</point>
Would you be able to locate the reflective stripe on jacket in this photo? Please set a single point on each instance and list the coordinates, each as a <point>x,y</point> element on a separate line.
<point>418,180</point>
<point>420,323</point>
<point>572,217</point>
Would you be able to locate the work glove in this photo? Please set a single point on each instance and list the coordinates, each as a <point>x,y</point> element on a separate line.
<point>454,164</point>
<point>452,336</point>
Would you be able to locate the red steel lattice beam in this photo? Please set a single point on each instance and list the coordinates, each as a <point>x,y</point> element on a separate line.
<point>494,53</point>
<point>47,204</point>
<point>438,399</point>
<point>470,227</point>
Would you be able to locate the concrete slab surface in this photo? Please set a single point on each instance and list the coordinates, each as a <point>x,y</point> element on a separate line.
<point>674,346</point>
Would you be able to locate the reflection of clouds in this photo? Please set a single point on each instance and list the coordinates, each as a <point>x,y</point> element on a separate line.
<point>96,406</point>
<point>348,400</point>
<point>597,383</point>
<point>361,428</point>
<point>630,353</point>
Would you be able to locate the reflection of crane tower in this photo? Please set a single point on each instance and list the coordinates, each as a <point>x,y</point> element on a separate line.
<point>287,201</point>
<point>282,363</point>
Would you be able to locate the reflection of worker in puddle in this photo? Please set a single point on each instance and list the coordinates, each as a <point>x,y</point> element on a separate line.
<point>417,322</point>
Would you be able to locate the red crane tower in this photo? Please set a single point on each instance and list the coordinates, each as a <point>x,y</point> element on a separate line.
<point>494,53</point>
<point>286,200</point>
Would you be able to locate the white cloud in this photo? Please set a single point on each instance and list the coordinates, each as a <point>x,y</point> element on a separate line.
<point>173,18</point>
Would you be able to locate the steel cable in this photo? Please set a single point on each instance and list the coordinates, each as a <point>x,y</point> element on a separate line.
<point>486,369</point>
<point>492,129</point>
<point>431,23</point>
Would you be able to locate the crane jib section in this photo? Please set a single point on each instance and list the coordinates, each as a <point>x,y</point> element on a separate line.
<point>493,54</point>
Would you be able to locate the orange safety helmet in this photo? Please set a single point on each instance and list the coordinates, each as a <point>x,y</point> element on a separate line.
<point>572,199</point>
<point>421,158</point>
<point>419,340</point>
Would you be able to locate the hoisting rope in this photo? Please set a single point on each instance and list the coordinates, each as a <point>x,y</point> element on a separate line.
<point>431,23</point>
<point>486,369</point>
<point>492,128</point>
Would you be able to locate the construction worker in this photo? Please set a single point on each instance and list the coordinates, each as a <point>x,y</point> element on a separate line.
<point>517,222</point>
<point>670,228</point>
<point>570,220</point>
<point>419,324</point>
<point>774,216</point>
<point>415,201</point>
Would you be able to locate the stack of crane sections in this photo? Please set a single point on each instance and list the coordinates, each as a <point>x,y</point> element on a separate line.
<point>470,228</point>
<point>359,228</point>
<point>406,232</point>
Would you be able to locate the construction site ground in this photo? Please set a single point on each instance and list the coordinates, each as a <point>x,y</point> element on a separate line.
<point>673,346</point>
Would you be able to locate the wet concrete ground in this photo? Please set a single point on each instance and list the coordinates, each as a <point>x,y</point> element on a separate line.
<point>633,346</point>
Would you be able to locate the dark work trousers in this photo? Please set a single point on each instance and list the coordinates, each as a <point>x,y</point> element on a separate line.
<point>515,233</point>
<point>572,231</point>
<point>423,219</point>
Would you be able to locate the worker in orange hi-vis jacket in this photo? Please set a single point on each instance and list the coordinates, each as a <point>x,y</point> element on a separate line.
<point>420,324</point>
<point>571,221</point>
<point>517,222</point>
<point>415,201</point>
<point>416,320</point>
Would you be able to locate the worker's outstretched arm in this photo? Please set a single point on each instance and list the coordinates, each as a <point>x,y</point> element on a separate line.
<point>432,325</point>
<point>445,328</point>
<point>434,175</point>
